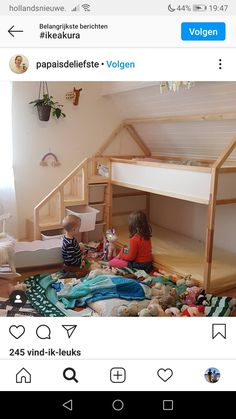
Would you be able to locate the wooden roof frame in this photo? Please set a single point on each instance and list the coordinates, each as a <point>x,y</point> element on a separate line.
<point>128,124</point>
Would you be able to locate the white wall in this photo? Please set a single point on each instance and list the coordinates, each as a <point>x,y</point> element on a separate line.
<point>72,139</point>
<point>191,219</point>
<point>199,140</point>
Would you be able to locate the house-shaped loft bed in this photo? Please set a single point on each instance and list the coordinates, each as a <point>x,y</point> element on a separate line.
<point>206,181</point>
<point>202,181</point>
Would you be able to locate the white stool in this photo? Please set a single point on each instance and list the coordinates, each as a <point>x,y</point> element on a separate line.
<point>7,251</point>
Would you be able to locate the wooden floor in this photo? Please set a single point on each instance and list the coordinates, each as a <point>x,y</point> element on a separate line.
<point>180,254</point>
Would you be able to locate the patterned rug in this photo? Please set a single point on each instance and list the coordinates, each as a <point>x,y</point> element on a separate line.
<point>7,310</point>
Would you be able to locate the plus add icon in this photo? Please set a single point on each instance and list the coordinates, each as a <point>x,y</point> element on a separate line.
<point>117,375</point>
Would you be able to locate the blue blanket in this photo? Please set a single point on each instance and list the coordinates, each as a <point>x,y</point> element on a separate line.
<point>103,287</point>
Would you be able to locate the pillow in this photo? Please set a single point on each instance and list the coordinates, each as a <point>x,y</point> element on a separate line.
<point>108,307</point>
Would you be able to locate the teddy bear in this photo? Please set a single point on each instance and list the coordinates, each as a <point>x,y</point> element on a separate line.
<point>123,311</point>
<point>128,310</point>
<point>159,289</point>
<point>109,247</point>
<point>165,294</point>
<point>153,309</point>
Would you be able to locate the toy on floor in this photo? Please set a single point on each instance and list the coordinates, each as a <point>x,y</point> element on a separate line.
<point>172,312</point>
<point>153,310</point>
<point>21,286</point>
<point>109,247</point>
<point>202,299</point>
<point>193,311</point>
<point>128,310</point>
<point>165,295</point>
<point>194,295</point>
<point>188,281</point>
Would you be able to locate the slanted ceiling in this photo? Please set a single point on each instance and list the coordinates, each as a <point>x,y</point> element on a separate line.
<point>199,140</point>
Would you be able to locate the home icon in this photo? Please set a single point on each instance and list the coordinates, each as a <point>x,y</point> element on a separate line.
<point>23,376</point>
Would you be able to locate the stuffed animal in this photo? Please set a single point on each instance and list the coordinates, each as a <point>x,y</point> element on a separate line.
<point>123,311</point>
<point>21,286</point>
<point>109,248</point>
<point>133,308</point>
<point>159,289</point>
<point>153,310</point>
<point>190,295</point>
<point>202,299</point>
<point>191,282</point>
<point>145,313</point>
<point>193,311</point>
<point>165,295</point>
<point>172,312</point>
<point>130,310</point>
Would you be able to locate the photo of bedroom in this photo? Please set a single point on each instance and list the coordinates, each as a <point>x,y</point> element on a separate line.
<point>118,199</point>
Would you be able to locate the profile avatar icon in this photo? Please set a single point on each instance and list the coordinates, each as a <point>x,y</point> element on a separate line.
<point>18,298</point>
<point>19,64</point>
<point>212,375</point>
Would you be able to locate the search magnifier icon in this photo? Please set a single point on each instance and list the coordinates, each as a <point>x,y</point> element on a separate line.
<point>70,374</point>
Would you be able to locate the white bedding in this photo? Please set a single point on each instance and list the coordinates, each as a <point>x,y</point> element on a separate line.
<point>109,307</point>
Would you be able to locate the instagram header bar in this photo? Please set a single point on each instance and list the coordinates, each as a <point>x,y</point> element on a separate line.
<point>105,32</point>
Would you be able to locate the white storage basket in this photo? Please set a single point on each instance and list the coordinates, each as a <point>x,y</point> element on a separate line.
<point>87,215</point>
<point>52,234</point>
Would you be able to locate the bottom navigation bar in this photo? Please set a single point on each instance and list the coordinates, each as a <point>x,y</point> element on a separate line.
<point>118,375</point>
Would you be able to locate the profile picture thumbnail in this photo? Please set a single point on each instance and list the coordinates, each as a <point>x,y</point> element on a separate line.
<point>19,64</point>
<point>212,375</point>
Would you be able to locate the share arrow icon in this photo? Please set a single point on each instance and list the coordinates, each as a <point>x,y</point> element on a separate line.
<point>70,328</point>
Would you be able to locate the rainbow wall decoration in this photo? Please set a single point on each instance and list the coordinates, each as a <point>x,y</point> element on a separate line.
<point>50,157</point>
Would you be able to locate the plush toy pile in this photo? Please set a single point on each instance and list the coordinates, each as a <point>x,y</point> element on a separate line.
<point>181,298</point>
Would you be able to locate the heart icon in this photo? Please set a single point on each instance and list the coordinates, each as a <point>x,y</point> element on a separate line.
<point>165,374</point>
<point>17,331</point>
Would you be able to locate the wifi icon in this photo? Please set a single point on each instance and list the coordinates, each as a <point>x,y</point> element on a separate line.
<point>86,7</point>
